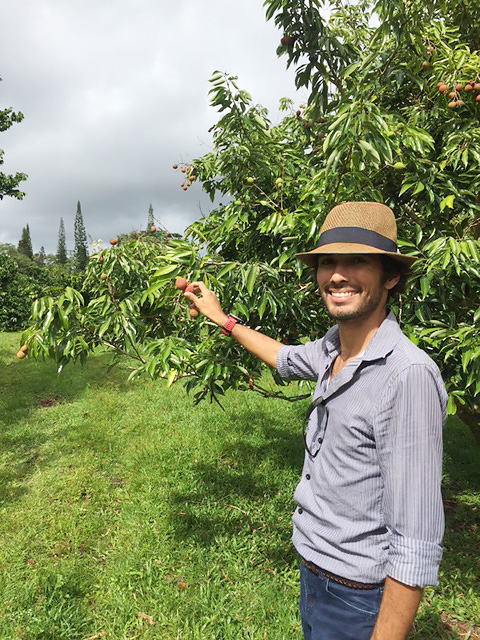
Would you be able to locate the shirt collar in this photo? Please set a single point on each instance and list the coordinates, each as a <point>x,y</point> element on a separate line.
<point>381,344</point>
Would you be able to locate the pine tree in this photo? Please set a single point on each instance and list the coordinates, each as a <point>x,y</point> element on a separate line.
<point>41,257</point>
<point>150,222</point>
<point>80,254</point>
<point>61,255</point>
<point>25,243</point>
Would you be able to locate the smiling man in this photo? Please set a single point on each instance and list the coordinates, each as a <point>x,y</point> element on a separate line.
<point>368,525</point>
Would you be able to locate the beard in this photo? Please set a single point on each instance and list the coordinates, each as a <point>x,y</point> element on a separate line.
<point>366,304</point>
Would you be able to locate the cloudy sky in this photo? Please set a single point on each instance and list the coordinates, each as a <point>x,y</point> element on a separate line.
<point>113,92</point>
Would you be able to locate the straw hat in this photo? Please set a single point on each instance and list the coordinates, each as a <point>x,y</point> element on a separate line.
<point>357,227</point>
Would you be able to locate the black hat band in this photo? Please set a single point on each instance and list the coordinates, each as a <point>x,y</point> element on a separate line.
<point>356,235</point>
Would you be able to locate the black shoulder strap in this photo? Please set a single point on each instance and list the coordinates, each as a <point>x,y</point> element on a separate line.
<point>313,406</point>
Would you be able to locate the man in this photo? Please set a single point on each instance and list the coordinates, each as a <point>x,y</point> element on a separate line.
<point>369,519</point>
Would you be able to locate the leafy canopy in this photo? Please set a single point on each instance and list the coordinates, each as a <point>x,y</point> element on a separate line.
<point>376,127</point>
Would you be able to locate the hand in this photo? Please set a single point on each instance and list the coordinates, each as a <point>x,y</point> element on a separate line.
<point>206,303</point>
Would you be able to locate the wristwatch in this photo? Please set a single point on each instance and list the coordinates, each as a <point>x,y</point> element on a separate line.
<point>229,324</point>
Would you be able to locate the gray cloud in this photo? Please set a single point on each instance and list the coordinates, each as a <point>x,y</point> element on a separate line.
<point>113,93</point>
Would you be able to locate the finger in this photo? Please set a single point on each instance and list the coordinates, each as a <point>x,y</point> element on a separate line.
<point>193,313</point>
<point>200,286</point>
<point>189,295</point>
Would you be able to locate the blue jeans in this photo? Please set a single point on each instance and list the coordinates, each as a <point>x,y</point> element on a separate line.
<point>330,611</point>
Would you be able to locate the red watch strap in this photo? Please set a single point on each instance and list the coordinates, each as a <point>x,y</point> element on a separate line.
<point>228,326</point>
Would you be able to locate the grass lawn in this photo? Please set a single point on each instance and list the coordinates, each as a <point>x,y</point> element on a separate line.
<point>126,512</point>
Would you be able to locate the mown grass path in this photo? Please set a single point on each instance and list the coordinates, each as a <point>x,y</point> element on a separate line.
<point>125,512</point>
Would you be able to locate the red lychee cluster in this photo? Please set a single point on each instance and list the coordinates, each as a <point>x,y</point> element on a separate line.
<point>189,172</point>
<point>298,114</point>
<point>471,88</point>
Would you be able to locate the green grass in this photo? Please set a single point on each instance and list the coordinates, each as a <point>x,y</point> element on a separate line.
<point>122,504</point>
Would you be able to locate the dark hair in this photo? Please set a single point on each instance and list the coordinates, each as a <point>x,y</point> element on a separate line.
<point>392,268</point>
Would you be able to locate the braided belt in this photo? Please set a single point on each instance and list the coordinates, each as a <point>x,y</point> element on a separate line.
<point>334,578</point>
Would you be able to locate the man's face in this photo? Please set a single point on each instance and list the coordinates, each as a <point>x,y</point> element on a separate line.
<point>352,285</point>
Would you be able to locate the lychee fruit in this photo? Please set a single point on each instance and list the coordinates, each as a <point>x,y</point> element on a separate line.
<point>181,283</point>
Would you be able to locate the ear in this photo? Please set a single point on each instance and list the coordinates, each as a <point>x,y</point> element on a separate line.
<point>389,284</point>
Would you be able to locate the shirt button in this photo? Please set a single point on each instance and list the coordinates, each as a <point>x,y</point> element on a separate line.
<point>320,440</point>
<point>300,510</point>
<point>308,476</point>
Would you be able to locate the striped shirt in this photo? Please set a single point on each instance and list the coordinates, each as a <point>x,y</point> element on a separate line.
<point>369,502</point>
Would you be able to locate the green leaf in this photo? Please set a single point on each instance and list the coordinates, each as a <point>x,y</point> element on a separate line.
<point>63,317</point>
<point>171,377</point>
<point>351,68</point>
<point>447,202</point>
<point>418,187</point>
<point>262,306</point>
<point>104,326</point>
<point>226,269</point>
<point>451,406</point>
<point>369,149</point>
<point>170,268</point>
<point>251,278</point>
<point>283,258</point>
<point>425,285</point>
<point>48,320</point>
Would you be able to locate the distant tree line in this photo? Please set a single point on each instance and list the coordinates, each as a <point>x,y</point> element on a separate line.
<point>26,275</point>
<point>79,258</point>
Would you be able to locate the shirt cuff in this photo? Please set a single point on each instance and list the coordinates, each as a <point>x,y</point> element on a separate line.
<point>284,367</point>
<point>414,562</point>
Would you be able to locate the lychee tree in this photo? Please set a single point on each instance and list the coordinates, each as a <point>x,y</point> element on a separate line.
<point>9,184</point>
<point>377,126</point>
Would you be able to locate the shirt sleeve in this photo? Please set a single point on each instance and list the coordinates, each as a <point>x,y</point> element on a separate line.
<point>408,429</point>
<point>299,362</point>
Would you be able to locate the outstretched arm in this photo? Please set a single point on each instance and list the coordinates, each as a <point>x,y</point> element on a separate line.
<point>208,305</point>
